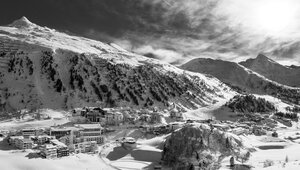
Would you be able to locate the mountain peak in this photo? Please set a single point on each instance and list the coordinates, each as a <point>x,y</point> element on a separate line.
<point>261,56</point>
<point>22,23</point>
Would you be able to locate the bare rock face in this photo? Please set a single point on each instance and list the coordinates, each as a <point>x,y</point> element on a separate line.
<point>250,103</point>
<point>199,146</point>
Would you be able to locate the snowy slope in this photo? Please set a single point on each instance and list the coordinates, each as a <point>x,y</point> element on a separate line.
<point>242,78</point>
<point>273,70</point>
<point>44,68</point>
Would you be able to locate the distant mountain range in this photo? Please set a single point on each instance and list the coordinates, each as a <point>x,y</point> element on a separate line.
<point>274,71</point>
<point>260,76</point>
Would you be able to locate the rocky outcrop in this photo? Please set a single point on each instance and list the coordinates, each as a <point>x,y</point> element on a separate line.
<point>199,145</point>
<point>249,103</point>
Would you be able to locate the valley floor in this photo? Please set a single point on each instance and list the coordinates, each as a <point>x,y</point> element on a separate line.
<point>273,153</point>
<point>19,160</point>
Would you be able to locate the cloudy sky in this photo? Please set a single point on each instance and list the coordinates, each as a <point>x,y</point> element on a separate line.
<point>174,30</point>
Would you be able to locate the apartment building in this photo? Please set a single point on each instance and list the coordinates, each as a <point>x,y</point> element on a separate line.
<point>61,148</point>
<point>28,132</point>
<point>90,132</point>
<point>49,151</point>
<point>114,118</point>
<point>85,147</point>
<point>42,139</point>
<point>24,143</point>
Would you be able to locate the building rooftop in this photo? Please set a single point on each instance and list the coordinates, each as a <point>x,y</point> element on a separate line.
<point>44,136</point>
<point>88,126</point>
<point>16,137</point>
<point>29,129</point>
<point>49,146</point>
<point>58,143</point>
<point>61,129</point>
<point>27,140</point>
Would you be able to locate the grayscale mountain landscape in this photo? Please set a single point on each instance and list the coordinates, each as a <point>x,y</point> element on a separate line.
<point>138,84</point>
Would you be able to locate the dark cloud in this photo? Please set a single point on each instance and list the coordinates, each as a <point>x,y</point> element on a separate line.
<point>170,30</point>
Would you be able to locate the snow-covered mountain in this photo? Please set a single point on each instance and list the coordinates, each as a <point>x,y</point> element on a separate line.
<point>274,71</point>
<point>243,78</point>
<point>44,68</point>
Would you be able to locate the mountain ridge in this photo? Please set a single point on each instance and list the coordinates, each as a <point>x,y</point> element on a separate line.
<point>242,78</point>
<point>273,70</point>
<point>44,68</point>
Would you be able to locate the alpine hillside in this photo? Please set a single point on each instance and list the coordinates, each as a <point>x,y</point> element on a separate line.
<point>44,68</point>
<point>273,70</point>
<point>243,79</point>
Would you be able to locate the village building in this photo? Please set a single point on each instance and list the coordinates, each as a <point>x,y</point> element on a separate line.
<point>94,114</point>
<point>129,142</point>
<point>60,132</point>
<point>94,117</point>
<point>42,139</point>
<point>62,149</point>
<point>113,118</point>
<point>90,132</point>
<point>49,151</point>
<point>174,114</point>
<point>28,132</point>
<point>219,126</point>
<point>175,126</point>
<point>24,143</point>
<point>156,117</point>
<point>85,147</point>
<point>258,131</point>
<point>145,118</point>
<point>239,131</point>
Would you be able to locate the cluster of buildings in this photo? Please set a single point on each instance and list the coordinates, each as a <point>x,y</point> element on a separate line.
<point>174,114</point>
<point>104,117</point>
<point>21,142</point>
<point>60,141</point>
<point>24,140</point>
<point>54,149</point>
<point>108,117</point>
